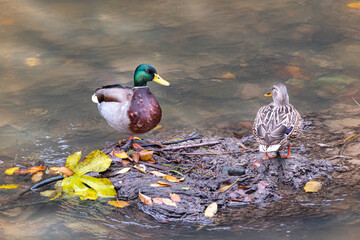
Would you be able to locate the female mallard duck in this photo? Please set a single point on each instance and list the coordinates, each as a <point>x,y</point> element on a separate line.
<point>277,124</point>
<point>131,110</point>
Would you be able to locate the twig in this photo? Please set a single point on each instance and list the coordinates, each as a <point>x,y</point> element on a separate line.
<point>165,164</point>
<point>154,166</point>
<point>187,146</point>
<point>221,153</point>
<point>339,156</point>
<point>347,141</point>
<point>356,101</point>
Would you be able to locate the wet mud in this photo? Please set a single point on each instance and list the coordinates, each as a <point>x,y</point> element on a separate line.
<point>323,153</point>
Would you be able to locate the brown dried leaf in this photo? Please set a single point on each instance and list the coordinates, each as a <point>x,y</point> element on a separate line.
<point>158,174</point>
<point>139,168</point>
<point>125,162</point>
<point>211,210</point>
<point>122,171</point>
<point>158,200</point>
<point>164,184</point>
<point>354,5</point>
<point>36,169</point>
<point>145,199</point>
<point>224,188</point>
<point>37,176</point>
<point>171,179</point>
<point>312,186</point>
<point>63,170</point>
<point>228,75</point>
<point>118,203</point>
<point>146,155</point>
<point>136,157</point>
<point>175,197</point>
<point>32,61</point>
<point>169,202</point>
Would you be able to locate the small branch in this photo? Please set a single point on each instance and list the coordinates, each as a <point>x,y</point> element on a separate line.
<point>154,166</point>
<point>165,164</point>
<point>188,146</point>
<point>221,153</point>
<point>339,156</point>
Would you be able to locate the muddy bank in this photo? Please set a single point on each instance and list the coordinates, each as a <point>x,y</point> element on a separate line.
<point>206,165</point>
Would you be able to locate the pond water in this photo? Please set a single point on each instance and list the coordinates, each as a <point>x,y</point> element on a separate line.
<point>220,57</point>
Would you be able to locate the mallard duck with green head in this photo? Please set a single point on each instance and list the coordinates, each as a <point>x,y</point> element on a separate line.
<point>277,123</point>
<point>131,110</point>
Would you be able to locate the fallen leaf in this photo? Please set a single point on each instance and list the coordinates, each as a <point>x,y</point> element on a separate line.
<point>244,187</point>
<point>72,160</point>
<point>295,72</point>
<point>312,186</point>
<point>118,203</point>
<point>139,168</point>
<point>121,154</point>
<point>87,187</point>
<point>136,157</point>
<point>182,179</point>
<point>354,5</point>
<point>175,197</point>
<point>145,199</point>
<point>228,75</point>
<point>171,179</point>
<point>9,21</point>
<point>63,170</point>
<point>169,202</point>
<point>10,171</point>
<point>37,176</point>
<point>49,193</point>
<point>32,61</point>
<point>122,171</point>
<point>9,186</point>
<point>145,155</point>
<point>96,161</point>
<point>158,174</point>
<point>224,188</point>
<point>36,169</point>
<point>211,210</point>
<point>164,183</point>
<point>157,200</point>
<point>186,188</point>
<point>125,162</point>
<point>160,184</point>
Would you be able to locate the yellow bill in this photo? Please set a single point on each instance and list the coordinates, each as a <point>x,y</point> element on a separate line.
<point>268,95</point>
<point>160,80</point>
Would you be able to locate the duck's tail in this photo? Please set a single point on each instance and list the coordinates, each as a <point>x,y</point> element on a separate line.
<point>271,148</point>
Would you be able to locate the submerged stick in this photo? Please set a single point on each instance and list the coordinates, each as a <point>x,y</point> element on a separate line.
<point>356,101</point>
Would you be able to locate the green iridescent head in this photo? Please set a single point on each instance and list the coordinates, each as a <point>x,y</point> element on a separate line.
<point>145,73</point>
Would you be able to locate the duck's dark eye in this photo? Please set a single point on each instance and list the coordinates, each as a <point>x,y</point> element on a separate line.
<point>147,70</point>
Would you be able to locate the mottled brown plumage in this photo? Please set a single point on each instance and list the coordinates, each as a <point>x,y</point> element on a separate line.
<point>278,123</point>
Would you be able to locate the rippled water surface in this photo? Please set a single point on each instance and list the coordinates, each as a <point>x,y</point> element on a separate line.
<point>220,56</point>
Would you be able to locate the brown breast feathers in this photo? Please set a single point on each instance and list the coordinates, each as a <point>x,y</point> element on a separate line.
<point>144,111</point>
